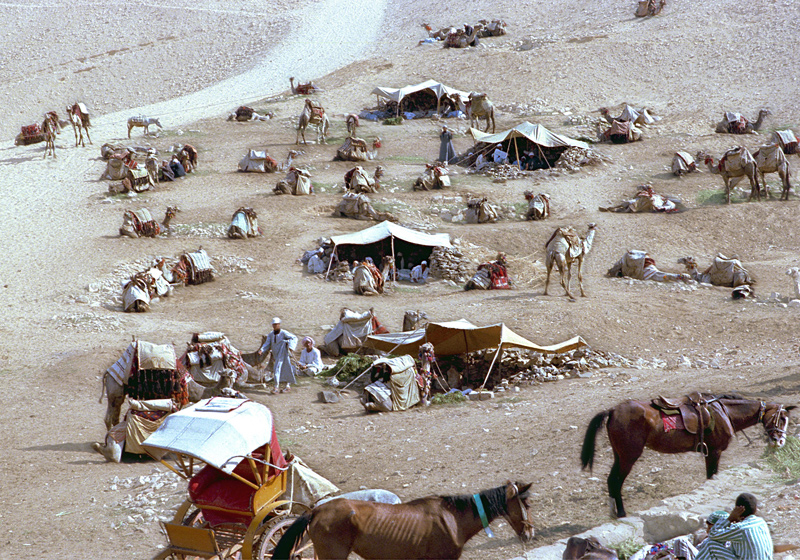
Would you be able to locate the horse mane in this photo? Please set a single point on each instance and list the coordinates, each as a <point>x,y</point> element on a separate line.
<point>494,499</point>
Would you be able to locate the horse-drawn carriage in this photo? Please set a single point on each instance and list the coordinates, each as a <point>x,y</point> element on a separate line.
<point>228,451</point>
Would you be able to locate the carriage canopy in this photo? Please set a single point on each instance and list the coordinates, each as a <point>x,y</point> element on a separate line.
<point>218,431</point>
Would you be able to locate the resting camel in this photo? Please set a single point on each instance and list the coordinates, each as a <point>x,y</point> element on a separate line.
<point>312,115</point>
<point>115,393</point>
<point>771,159</point>
<point>303,89</point>
<point>722,272</point>
<point>565,248</point>
<point>735,164</point>
<point>132,226</point>
<point>463,38</point>
<point>740,125</point>
<point>79,118</point>
<point>480,106</point>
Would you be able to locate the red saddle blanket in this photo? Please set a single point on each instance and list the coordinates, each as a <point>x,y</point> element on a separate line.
<point>672,422</point>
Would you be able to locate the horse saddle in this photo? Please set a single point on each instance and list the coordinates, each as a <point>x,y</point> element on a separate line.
<point>693,408</point>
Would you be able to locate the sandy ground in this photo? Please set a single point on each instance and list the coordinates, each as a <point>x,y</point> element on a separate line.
<point>59,227</point>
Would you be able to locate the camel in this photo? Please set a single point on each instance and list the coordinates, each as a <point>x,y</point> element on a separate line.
<point>734,123</point>
<point>303,89</point>
<point>357,180</point>
<point>481,211</point>
<point>735,164</point>
<point>115,393</point>
<point>640,117</point>
<point>246,114</point>
<point>50,129</point>
<point>565,248</point>
<point>649,7</point>
<point>463,38</point>
<point>538,206</point>
<point>79,117</point>
<point>136,224</point>
<point>358,206</point>
<point>244,224</point>
<point>434,177</point>
<point>722,272</point>
<point>143,122</point>
<point>620,132</point>
<point>480,106</point>
<point>771,159</point>
<point>352,123</point>
<point>312,115</point>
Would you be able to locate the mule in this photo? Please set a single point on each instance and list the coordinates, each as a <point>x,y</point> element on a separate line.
<point>432,527</point>
<point>634,425</point>
<point>144,122</point>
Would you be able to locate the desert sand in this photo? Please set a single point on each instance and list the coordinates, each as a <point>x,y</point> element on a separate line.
<point>190,65</point>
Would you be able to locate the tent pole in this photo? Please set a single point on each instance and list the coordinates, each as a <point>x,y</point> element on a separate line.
<point>541,153</point>
<point>516,149</point>
<point>330,262</point>
<point>394,263</point>
<point>496,354</point>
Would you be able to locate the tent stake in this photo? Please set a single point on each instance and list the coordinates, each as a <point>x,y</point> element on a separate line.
<point>394,263</point>
<point>499,348</point>
<point>330,262</point>
<point>516,150</point>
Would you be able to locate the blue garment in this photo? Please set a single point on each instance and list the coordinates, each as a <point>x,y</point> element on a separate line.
<point>748,539</point>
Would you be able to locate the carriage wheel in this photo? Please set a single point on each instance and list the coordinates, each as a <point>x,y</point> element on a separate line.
<point>273,531</point>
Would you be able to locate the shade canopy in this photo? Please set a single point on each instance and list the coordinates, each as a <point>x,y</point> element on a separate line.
<point>460,337</point>
<point>218,431</point>
<point>536,133</point>
<point>387,229</point>
<point>438,89</point>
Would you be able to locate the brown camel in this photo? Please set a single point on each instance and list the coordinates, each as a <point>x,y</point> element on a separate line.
<point>303,89</point>
<point>314,115</point>
<point>133,226</point>
<point>771,159</point>
<point>565,248</point>
<point>735,164</point>
<point>732,125</point>
<point>50,129</point>
<point>79,117</point>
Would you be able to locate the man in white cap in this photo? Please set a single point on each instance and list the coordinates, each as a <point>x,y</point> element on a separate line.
<point>419,274</point>
<point>280,343</point>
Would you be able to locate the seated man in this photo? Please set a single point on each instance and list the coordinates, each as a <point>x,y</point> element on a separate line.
<point>310,361</point>
<point>419,274</point>
<point>743,535</point>
<point>315,264</point>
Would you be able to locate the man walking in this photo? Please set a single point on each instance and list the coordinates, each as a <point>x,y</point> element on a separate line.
<point>280,343</point>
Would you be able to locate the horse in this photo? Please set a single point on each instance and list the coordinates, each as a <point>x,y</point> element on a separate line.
<point>634,425</point>
<point>144,122</point>
<point>432,527</point>
<point>79,118</point>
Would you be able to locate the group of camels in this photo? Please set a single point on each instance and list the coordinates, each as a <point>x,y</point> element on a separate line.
<point>739,162</point>
<point>51,125</point>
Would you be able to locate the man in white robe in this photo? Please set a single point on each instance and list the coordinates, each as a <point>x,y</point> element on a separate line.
<point>280,343</point>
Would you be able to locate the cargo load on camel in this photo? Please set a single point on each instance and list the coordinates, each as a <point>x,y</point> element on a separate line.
<point>244,224</point>
<point>194,268</point>
<point>350,332</point>
<point>492,275</point>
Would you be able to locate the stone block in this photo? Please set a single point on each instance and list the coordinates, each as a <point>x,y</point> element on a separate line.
<point>662,523</point>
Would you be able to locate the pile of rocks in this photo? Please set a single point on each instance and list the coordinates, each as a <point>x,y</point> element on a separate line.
<point>500,171</point>
<point>573,158</point>
<point>536,106</point>
<point>450,263</point>
<point>153,496</point>
<point>201,229</point>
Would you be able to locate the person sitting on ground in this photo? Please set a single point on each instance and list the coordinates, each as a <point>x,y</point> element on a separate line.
<point>419,274</point>
<point>499,156</point>
<point>742,536</point>
<point>310,361</point>
<point>315,264</point>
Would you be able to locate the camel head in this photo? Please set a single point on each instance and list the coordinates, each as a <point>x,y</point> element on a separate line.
<point>591,226</point>
<point>528,195</point>
<point>704,157</point>
<point>764,113</point>
<point>688,262</point>
<point>603,111</point>
<point>794,272</point>
<point>172,211</point>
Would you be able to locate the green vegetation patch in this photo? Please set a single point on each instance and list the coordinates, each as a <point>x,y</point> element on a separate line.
<point>786,460</point>
<point>348,367</point>
<point>449,398</point>
<point>393,121</point>
<point>627,548</point>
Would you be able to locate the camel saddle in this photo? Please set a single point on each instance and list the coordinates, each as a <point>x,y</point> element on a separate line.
<point>693,408</point>
<point>573,240</point>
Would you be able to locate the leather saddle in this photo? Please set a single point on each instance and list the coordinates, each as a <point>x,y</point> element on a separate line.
<point>694,408</point>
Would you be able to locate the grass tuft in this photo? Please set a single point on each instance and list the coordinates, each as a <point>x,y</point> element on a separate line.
<point>449,398</point>
<point>786,460</point>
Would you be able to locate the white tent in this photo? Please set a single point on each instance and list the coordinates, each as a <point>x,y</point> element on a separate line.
<point>385,235</point>
<point>438,89</point>
<point>549,144</point>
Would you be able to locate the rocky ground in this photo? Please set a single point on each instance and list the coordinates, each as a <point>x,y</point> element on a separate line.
<point>62,326</point>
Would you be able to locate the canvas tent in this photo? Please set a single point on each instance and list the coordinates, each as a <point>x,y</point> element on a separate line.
<point>426,95</point>
<point>461,337</point>
<point>526,137</point>
<point>387,238</point>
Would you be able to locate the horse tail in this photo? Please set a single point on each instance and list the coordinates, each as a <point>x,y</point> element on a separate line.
<point>103,391</point>
<point>285,547</point>
<point>587,451</point>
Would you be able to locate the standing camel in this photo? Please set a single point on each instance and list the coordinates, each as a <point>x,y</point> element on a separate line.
<point>734,123</point>
<point>735,164</point>
<point>79,117</point>
<point>563,249</point>
<point>771,159</point>
<point>312,115</point>
<point>480,106</point>
<point>50,129</point>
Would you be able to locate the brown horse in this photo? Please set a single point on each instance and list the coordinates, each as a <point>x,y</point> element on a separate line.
<point>432,527</point>
<point>634,425</point>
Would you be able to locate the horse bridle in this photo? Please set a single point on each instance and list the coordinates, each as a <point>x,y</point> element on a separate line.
<point>780,421</point>
<point>523,508</point>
